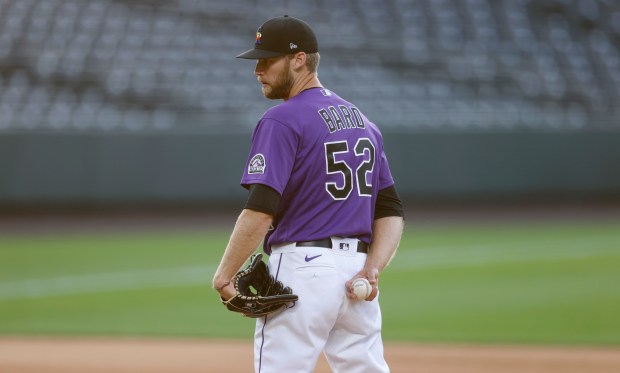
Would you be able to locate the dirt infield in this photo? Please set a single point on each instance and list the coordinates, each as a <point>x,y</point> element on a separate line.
<point>73,355</point>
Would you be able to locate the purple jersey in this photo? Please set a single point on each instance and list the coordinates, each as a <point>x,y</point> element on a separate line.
<point>326,160</point>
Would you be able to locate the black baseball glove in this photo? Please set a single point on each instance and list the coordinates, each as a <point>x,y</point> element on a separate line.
<point>258,293</point>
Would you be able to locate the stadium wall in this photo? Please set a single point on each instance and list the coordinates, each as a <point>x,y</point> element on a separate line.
<point>204,170</point>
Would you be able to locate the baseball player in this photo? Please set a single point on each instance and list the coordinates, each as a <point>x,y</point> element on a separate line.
<point>322,198</point>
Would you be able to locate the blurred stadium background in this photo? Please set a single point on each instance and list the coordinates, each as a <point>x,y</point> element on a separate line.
<point>140,106</point>
<point>115,102</point>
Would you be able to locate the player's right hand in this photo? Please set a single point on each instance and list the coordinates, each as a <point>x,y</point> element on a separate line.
<point>370,274</point>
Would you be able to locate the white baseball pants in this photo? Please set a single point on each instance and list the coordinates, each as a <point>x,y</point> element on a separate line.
<point>324,319</point>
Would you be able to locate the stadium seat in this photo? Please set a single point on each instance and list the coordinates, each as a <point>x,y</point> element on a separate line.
<point>435,64</point>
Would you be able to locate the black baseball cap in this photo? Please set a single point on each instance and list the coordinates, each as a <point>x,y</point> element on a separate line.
<point>282,35</point>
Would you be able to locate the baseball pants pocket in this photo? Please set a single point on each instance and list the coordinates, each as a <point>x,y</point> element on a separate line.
<point>292,340</point>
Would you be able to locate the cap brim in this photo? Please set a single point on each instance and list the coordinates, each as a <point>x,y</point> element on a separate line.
<point>256,54</point>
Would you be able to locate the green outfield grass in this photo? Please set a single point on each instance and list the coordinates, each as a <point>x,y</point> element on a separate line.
<point>547,283</point>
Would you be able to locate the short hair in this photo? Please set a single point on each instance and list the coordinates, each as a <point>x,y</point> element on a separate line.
<point>312,61</point>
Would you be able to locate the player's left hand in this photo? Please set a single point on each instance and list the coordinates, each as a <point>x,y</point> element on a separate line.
<point>228,291</point>
<point>255,292</point>
<point>370,274</point>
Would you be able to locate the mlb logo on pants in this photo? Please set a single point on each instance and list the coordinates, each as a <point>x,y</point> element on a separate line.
<point>344,246</point>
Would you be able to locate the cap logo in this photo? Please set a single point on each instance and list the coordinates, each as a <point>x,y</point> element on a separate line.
<point>293,46</point>
<point>258,37</point>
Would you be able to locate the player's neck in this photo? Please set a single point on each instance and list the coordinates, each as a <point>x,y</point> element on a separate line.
<point>306,82</point>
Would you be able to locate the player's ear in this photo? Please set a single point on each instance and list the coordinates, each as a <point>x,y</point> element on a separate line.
<point>299,60</point>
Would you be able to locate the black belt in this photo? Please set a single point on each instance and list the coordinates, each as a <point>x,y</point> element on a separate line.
<point>362,247</point>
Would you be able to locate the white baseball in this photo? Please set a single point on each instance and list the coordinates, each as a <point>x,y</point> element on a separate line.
<point>361,288</point>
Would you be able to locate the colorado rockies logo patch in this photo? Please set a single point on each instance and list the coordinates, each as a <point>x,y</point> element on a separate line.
<point>257,164</point>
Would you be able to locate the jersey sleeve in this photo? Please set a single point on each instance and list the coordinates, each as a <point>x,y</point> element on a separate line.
<point>385,176</point>
<point>272,155</point>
